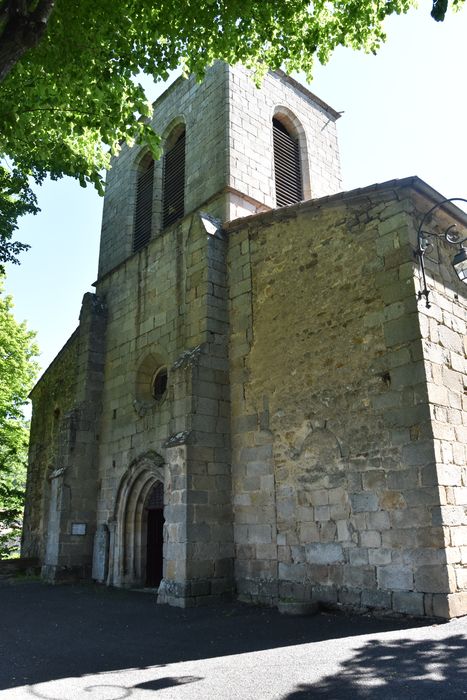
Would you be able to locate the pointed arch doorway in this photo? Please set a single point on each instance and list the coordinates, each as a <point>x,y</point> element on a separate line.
<point>137,544</point>
<point>155,535</point>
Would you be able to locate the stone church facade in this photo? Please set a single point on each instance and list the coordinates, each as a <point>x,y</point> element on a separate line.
<point>254,401</point>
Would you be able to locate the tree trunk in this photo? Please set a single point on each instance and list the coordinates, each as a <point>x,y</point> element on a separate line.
<point>22,30</point>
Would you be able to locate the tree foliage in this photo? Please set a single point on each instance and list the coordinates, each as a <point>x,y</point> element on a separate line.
<point>69,97</point>
<point>16,199</point>
<point>18,371</point>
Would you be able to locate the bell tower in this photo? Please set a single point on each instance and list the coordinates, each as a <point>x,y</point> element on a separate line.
<point>229,148</point>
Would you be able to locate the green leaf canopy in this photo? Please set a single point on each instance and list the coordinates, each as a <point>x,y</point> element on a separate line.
<point>69,98</point>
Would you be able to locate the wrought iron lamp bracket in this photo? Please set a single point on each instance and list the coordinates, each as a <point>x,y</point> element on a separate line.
<point>425,244</point>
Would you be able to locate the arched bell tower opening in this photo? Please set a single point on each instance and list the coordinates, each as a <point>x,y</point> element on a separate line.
<point>138,540</point>
<point>291,158</point>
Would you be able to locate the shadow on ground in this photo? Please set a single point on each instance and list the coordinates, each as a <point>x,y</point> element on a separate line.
<point>53,632</point>
<point>394,669</point>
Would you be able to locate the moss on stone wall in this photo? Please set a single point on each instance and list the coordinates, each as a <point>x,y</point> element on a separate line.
<point>52,397</point>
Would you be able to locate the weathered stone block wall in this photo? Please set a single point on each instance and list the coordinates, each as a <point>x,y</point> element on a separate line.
<point>334,466</point>
<point>168,307</point>
<point>229,168</point>
<point>199,542</point>
<point>251,162</point>
<point>443,327</point>
<point>203,108</point>
<point>62,482</point>
<point>52,398</point>
<point>148,327</point>
<point>72,513</point>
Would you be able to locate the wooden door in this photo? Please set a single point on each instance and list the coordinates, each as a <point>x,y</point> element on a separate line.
<point>155,537</point>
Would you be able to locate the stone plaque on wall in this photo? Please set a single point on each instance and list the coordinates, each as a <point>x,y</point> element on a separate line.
<point>78,529</point>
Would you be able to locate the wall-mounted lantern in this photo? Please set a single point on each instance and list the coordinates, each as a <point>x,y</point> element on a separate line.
<point>426,241</point>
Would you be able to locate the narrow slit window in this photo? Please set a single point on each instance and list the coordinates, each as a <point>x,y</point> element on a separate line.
<point>143,213</point>
<point>287,166</point>
<point>173,196</point>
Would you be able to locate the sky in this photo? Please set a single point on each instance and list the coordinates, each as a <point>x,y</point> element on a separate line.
<point>404,113</point>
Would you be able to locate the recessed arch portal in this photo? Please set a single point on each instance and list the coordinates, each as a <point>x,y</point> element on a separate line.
<point>132,508</point>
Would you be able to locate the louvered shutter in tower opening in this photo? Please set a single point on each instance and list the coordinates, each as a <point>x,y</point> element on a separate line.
<point>143,214</point>
<point>288,172</point>
<point>173,198</point>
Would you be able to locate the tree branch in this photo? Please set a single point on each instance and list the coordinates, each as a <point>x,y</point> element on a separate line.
<point>22,30</point>
<point>57,109</point>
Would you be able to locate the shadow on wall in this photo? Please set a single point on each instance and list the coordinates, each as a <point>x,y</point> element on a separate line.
<point>394,669</point>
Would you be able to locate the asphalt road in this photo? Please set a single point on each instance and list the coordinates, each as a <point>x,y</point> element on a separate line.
<point>95,643</point>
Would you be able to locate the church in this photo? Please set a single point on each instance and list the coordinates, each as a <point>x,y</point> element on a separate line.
<point>257,401</point>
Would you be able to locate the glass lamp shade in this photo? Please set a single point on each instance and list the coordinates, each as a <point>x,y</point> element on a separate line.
<point>460,265</point>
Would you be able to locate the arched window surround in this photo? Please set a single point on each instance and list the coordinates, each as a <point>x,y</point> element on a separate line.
<point>293,125</point>
<point>168,135</point>
<point>143,224</point>
<point>173,173</point>
<point>146,371</point>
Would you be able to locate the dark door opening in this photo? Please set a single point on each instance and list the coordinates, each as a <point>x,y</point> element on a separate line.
<point>155,537</point>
